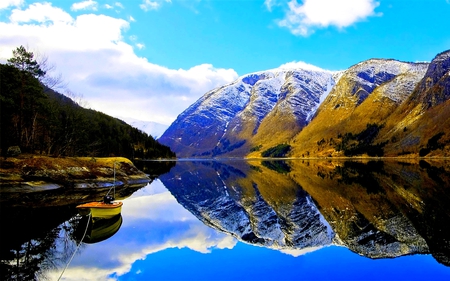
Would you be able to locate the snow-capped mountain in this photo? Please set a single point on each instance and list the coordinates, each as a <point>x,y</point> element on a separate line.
<point>224,119</point>
<point>367,93</point>
<point>151,128</point>
<point>376,107</point>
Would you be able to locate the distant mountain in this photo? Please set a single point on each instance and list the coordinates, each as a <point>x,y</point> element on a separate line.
<point>151,128</point>
<point>378,107</point>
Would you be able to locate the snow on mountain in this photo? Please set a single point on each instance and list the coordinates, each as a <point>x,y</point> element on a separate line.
<point>300,104</point>
<point>151,128</point>
<point>212,125</point>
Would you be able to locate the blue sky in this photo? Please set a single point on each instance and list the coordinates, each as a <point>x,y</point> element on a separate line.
<point>151,59</point>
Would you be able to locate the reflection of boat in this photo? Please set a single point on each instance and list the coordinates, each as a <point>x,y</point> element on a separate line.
<point>102,229</point>
<point>108,208</point>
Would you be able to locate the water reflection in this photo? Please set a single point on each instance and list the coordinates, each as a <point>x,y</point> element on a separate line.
<point>95,230</point>
<point>377,209</point>
<point>152,222</point>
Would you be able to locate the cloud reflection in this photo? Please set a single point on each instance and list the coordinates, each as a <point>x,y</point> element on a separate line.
<point>153,221</point>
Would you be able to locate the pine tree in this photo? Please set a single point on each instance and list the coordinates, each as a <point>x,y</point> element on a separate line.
<point>24,61</point>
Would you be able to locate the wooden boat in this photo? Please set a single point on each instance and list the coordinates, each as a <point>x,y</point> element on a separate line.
<point>107,208</point>
<point>100,209</point>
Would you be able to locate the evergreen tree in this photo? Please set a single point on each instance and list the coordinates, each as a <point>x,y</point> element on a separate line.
<point>41,120</point>
<point>24,61</point>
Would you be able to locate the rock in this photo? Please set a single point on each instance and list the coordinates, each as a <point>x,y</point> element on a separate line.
<point>13,151</point>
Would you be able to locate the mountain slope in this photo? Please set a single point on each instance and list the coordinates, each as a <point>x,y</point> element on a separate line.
<point>39,120</point>
<point>225,121</point>
<point>367,93</point>
<point>421,125</point>
<point>378,107</point>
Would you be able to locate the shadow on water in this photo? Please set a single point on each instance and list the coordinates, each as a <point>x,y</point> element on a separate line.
<point>378,209</point>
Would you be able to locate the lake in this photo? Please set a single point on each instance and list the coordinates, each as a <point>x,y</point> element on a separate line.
<point>244,220</point>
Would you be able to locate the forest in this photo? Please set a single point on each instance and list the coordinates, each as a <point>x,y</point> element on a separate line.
<point>38,120</point>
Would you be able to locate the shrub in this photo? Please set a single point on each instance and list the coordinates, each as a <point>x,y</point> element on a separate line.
<point>277,151</point>
<point>13,151</point>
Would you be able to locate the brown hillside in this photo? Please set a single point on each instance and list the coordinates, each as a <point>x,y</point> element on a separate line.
<point>347,111</point>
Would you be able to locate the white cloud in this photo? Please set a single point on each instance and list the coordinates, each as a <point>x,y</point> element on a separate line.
<point>131,19</point>
<point>84,5</point>
<point>91,54</point>
<point>10,3</point>
<point>41,13</point>
<point>271,3</point>
<point>119,5</point>
<point>303,19</point>
<point>148,5</point>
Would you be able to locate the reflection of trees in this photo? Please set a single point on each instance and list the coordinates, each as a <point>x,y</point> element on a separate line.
<point>28,255</point>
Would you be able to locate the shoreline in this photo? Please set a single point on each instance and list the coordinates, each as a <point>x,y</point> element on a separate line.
<point>39,173</point>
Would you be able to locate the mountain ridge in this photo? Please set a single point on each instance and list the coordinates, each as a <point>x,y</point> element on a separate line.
<point>365,110</point>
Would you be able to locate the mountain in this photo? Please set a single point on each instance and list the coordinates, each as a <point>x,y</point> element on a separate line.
<point>150,128</point>
<point>229,119</point>
<point>421,124</point>
<point>378,107</point>
<point>367,93</point>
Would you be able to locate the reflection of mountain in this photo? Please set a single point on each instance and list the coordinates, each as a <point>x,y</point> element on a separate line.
<point>383,209</point>
<point>221,196</point>
<point>376,209</point>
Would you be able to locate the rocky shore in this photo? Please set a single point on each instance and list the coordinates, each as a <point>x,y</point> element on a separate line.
<point>72,178</point>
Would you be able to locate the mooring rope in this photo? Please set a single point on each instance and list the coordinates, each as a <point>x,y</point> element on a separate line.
<point>114,184</point>
<point>78,246</point>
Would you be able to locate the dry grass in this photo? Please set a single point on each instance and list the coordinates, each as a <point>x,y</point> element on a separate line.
<point>16,169</point>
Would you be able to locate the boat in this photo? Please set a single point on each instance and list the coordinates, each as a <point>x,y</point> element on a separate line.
<point>105,209</point>
<point>100,209</point>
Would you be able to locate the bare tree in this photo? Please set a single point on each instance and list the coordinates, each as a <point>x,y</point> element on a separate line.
<point>54,82</point>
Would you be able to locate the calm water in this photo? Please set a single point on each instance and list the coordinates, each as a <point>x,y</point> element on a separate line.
<point>244,220</point>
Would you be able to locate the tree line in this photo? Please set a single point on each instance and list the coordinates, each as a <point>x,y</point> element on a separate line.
<point>40,120</point>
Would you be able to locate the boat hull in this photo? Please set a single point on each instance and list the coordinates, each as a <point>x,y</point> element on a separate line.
<point>100,209</point>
